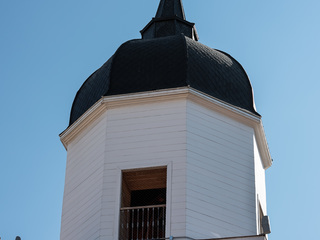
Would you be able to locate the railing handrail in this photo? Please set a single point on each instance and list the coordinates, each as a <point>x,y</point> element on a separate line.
<point>143,207</point>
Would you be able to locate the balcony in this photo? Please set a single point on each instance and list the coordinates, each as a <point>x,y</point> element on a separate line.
<point>142,223</point>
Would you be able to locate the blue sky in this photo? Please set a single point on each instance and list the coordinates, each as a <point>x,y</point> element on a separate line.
<point>48,49</point>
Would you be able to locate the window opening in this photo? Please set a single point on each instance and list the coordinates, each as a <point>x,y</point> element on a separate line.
<point>143,204</point>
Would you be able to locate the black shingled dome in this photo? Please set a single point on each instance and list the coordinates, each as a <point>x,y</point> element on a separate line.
<point>170,60</point>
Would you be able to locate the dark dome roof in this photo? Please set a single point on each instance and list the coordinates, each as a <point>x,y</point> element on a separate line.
<point>167,62</point>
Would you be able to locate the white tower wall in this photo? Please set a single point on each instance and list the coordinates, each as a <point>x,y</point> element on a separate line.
<point>142,136</point>
<point>82,200</point>
<point>220,175</point>
<point>215,170</point>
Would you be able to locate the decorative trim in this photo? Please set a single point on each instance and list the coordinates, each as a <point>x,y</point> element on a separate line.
<point>115,101</point>
<point>215,104</point>
<point>263,145</point>
<point>240,115</point>
<point>89,116</point>
<point>222,106</point>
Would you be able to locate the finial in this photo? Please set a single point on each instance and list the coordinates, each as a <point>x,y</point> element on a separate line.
<point>170,8</point>
<point>169,20</point>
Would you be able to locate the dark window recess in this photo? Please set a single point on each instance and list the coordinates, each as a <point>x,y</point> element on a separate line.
<point>148,197</point>
<point>143,204</point>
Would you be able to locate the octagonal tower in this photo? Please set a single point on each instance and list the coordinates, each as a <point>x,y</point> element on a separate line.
<point>164,141</point>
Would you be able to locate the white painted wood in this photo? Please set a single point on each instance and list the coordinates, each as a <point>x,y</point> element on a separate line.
<point>126,137</point>
<point>260,185</point>
<point>143,136</point>
<point>220,175</point>
<point>83,188</point>
<point>215,173</point>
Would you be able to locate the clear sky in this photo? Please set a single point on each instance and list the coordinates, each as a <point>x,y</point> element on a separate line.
<point>49,48</point>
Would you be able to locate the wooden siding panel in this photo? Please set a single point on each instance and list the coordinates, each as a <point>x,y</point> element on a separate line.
<point>140,136</point>
<point>213,145</point>
<point>217,118</point>
<point>220,175</point>
<point>221,200</point>
<point>207,224</point>
<point>83,188</point>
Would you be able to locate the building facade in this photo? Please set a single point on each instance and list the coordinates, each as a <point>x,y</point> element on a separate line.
<point>164,142</point>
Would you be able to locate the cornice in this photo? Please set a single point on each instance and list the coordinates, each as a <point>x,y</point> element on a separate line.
<point>240,115</point>
<point>229,110</point>
<point>109,102</point>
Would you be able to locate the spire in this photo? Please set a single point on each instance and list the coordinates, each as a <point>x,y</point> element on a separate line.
<point>170,8</point>
<point>169,20</point>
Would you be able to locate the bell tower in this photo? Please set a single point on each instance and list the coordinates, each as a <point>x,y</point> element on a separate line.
<point>164,142</point>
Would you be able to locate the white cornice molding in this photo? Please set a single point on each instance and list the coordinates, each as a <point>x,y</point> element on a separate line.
<point>221,106</point>
<point>89,116</point>
<point>240,115</point>
<point>115,101</point>
<point>229,110</point>
<point>263,145</point>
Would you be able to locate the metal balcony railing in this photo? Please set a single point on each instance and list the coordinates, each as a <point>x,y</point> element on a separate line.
<point>142,223</point>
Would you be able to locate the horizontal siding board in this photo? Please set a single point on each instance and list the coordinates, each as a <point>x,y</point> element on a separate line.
<point>220,174</point>
<point>214,124</point>
<point>215,152</point>
<point>156,159</point>
<point>161,116</point>
<point>196,220</point>
<point>213,145</point>
<point>143,137</point>
<point>169,142</point>
<point>224,213</point>
<point>122,116</point>
<point>209,178</point>
<point>80,188</point>
<point>221,200</point>
<point>215,139</point>
<point>220,165</point>
<point>144,159</point>
<point>83,176</point>
<point>232,166</point>
<point>149,135</point>
<point>151,148</point>
<point>179,226</point>
<point>220,129</point>
<point>179,191</point>
<point>82,202</point>
<point>106,233</point>
<point>84,158</point>
<point>108,211</point>
<point>219,196</point>
<point>79,218</point>
<point>135,111</point>
<point>87,224</point>
<point>152,125</point>
<point>90,232</point>
<point>199,110</point>
<point>85,155</point>
<point>173,129</point>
